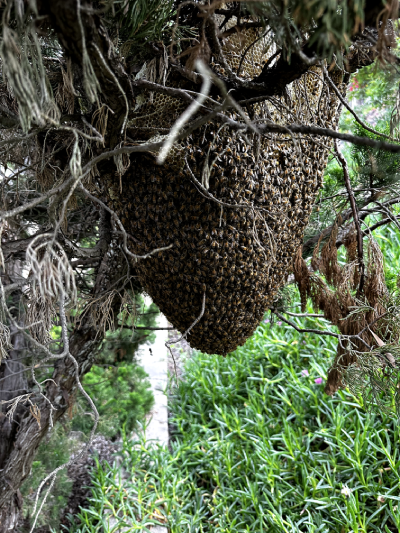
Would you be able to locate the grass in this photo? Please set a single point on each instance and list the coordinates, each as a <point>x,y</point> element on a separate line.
<point>258,447</point>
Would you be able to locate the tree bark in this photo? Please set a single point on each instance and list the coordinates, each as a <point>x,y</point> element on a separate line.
<point>13,382</point>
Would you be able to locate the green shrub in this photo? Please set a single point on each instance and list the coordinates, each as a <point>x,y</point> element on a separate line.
<point>122,395</point>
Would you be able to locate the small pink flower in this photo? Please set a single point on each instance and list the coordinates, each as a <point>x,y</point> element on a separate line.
<point>266,321</point>
<point>279,323</point>
<point>318,381</point>
<point>305,372</point>
<point>304,342</point>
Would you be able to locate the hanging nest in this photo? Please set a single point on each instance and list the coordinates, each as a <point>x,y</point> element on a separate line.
<point>238,256</point>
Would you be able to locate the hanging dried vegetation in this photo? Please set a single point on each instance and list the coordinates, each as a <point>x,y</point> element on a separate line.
<point>362,319</point>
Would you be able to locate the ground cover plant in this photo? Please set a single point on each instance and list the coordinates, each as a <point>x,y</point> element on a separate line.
<point>258,446</point>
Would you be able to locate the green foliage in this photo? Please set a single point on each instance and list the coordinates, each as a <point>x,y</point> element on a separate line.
<point>258,446</point>
<point>388,238</point>
<point>116,383</point>
<point>122,396</point>
<point>370,168</point>
<point>52,452</point>
<point>329,22</point>
<point>372,94</point>
<point>134,503</point>
<point>328,203</point>
<point>143,20</point>
<point>122,344</point>
<point>374,168</point>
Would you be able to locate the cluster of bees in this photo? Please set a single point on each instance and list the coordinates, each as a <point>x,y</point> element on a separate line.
<point>238,257</point>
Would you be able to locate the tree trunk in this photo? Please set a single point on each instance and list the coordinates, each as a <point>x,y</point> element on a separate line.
<point>20,438</point>
<point>22,443</point>
<point>10,514</point>
<point>16,382</point>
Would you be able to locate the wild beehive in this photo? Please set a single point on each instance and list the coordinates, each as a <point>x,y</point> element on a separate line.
<point>237,255</point>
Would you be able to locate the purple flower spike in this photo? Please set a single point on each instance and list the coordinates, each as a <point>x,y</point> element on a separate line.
<point>318,381</point>
<point>305,373</point>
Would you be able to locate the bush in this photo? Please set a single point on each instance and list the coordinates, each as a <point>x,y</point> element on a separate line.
<point>122,395</point>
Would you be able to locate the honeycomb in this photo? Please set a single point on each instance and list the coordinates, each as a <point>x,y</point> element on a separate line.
<point>238,257</point>
<point>259,49</point>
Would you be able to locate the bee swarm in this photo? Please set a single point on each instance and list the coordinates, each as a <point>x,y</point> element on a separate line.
<point>238,257</point>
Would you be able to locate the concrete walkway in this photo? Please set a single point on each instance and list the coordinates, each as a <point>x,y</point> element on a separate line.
<point>154,360</point>
<point>155,363</point>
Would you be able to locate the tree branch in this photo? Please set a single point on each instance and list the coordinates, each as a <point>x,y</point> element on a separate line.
<point>300,330</point>
<point>350,194</point>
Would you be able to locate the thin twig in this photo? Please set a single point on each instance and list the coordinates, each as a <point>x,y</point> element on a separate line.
<point>304,315</point>
<point>320,332</point>
<point>349,108</point>
<point>52,476</point>
<point>153,329</point>
<point>185,117</point>
<point>124,234</point>
<point>300,330</point>
<point>168,343</point>
<point>379,224</point>
<point>104,63</point>
<point>203,306</point>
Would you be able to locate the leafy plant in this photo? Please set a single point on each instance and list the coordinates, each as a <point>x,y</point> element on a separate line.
<point>143,19</point>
